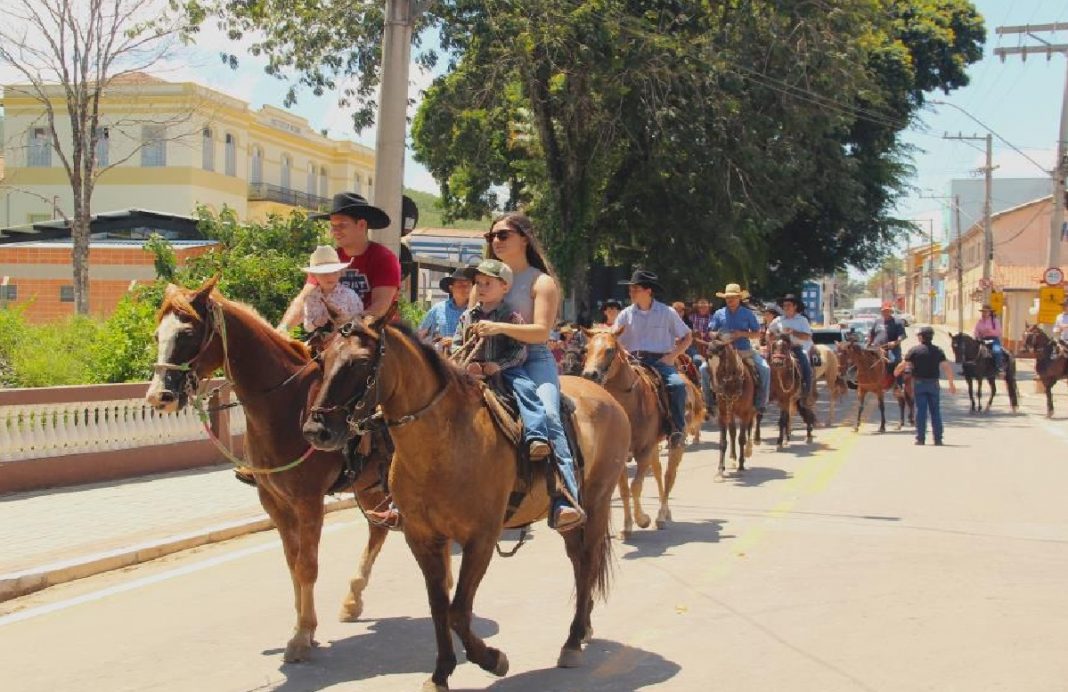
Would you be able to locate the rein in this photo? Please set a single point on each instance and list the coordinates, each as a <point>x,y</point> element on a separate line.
<point>736,369</point>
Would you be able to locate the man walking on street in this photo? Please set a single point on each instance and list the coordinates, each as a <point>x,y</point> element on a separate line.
<point>655,334</point>
<point>926,359</point>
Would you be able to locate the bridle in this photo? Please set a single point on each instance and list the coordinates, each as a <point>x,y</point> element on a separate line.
<point>730,386</point>
<point>191,380</point>
<point>782,357</point>
<point>361,410</point>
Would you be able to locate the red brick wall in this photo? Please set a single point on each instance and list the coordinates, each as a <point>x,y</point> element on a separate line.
<point>43,294</point>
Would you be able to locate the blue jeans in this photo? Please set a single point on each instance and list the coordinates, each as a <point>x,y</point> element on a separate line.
<point>676,388</point>
<point>806,367</point>
<point>998,351</point>
<point>893,357</point>
<point>927,397</point>
<point>536,384</point>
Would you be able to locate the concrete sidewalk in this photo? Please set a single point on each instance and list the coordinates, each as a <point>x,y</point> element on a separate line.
<point>54,536</point>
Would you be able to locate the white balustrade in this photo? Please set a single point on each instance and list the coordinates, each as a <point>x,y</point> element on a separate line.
<point>47,430</point>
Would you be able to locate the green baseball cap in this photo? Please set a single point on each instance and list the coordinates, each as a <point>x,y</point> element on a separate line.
<point>492,267</point>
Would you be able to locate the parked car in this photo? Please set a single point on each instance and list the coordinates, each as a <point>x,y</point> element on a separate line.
<point>860,326</point>
<point>828,336</point>
<point>843,315</point>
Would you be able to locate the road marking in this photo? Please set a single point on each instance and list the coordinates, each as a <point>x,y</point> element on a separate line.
<point>811,477</point>
<point>30,613</point>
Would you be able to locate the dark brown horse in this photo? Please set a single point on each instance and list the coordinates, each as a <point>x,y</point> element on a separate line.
<point>787,390</point>
<point>274,377</point>
<point>454,469</point>
<point>1051,360</point>
<point>872,378</point>
<point>736,412</point>
<point>977,364</point>
<point>606,364</point>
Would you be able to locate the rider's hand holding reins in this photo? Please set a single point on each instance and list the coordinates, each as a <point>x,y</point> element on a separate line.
<point>488,328</point>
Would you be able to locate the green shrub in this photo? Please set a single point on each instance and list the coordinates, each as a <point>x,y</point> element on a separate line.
<point>49,355</point>
<point>125,347</point>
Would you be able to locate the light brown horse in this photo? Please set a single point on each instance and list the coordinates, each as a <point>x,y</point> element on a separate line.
<point>830,372</point>
<point>606,364</point>
<point>274,377</point>
<point>872,378</point>
<point>454,469</point>
<point>787,389</point>
<point>735,386</point>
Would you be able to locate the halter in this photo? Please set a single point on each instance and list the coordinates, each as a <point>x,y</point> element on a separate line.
<point>793,367</point>
<point>217,325</point>
<point>361,401</point>
<point>737,369</point>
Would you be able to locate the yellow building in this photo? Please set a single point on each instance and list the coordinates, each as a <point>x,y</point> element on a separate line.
<point>173,146</point>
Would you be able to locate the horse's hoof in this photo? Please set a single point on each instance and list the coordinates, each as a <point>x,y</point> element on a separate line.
<point>296,651</point>
<point>351,612</point>
<point>625,534</point>
<point>431,686</point>
<point>718,478</point>
<point>569,658</point>
<point>588,636</point>
<point>501,669</point>
<point>643,521</point>
<point>661,524</point>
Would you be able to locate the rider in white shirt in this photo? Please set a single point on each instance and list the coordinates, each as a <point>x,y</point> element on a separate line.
<point>795,325</point>
<point>1060,325</point>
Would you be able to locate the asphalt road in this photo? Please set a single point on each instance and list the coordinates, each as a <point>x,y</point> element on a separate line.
<point>859,562</point>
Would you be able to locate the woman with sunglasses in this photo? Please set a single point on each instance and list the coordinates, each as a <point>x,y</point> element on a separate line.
<point>534,294</point>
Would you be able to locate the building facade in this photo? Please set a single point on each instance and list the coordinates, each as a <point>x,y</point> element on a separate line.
<point>171,146</point>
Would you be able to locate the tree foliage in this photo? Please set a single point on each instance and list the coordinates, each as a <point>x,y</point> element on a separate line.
<point>749,140</point>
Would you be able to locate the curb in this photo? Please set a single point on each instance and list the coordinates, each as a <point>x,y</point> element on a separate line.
<point>15,584</point>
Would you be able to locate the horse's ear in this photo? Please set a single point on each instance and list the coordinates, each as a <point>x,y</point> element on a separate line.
<point>618,331</point>
<point>202,293</point>
<point>171,290</point>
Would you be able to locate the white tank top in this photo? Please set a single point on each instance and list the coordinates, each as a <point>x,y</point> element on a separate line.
<point>521,294</point>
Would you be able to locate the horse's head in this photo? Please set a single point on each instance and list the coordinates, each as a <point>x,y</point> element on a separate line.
<point>603,358</point>
<point>186,348</point>
<point>1034,338</point>
<point>351,364</point>
<point>959,343</point>
<point>780,351</point>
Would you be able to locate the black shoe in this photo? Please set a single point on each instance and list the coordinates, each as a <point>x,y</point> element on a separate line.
<point>938,443</point>
<point>676,439</point>
<point>919,443</point>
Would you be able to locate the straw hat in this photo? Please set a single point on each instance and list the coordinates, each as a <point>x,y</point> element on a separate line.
<point>733,291</point>
<point>325,261</point>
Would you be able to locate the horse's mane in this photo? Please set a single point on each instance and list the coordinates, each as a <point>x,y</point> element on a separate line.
<point>178,301</point>
<point>446,370</point>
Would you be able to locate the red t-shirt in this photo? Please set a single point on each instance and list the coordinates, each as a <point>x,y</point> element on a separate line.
<point>377,267</point>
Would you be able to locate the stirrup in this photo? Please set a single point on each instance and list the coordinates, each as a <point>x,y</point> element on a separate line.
<point>389,518</point>
<point>577,518</point>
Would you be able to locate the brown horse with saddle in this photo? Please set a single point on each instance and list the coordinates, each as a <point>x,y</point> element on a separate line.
<point>274,378</point>
<point>788,389</point>
<point>638,390</point>
<point>1051,360</point>
<point>873,378</point>
<point>456,468</point>
<point>735,386</point>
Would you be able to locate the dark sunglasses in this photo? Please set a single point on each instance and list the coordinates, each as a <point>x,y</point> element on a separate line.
<point>503,234</point>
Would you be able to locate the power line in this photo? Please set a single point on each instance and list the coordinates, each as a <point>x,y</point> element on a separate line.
<point>991,131</point>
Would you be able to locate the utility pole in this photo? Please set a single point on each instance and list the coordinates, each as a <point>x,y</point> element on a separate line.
<point>392,116</point>
<point>988,228</point>
<point>1056,223</point>
<point>960,268</point>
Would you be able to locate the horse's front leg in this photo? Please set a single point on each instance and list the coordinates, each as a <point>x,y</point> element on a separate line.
<point>862,394</point>
<point>624,496</point>
<point>993,392</point>
<point>971,397</point>
<point>882,411</point>
<point>432,554</point>
<point>647,459</point>
<point>722,449</point>
<point>734,439</point>
<point>309,528</point>
<point>476,559</point>
<point>1049,397</point>
<point>352,607</point>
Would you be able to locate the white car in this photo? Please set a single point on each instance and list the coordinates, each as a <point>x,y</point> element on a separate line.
<point>860,326</point>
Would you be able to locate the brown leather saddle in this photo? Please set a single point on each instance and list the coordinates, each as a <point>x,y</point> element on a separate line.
<point>652,377</point>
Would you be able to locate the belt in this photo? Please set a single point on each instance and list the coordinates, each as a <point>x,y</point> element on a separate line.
<point>641,355</point>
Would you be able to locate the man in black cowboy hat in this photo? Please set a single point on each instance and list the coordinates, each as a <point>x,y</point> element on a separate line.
<point>439,323</point>
<point>795,325</point>
<point>655,334</point>
<point>374,271</point>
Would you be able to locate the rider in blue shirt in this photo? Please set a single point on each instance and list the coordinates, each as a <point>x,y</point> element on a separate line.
<point>742,324</point>
<point>439,323</point>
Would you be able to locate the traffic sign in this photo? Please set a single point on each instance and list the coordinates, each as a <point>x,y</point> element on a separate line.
<point>997,301</point>
<point>1053,276</point>
<point>1050,299</point>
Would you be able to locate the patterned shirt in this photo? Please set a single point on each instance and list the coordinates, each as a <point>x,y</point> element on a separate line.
<point>503,350</point>
<point>342,300</point>
<point>701,323</point>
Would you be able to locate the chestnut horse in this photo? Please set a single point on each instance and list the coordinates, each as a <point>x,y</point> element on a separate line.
<point>787,389</point>
<point>977,364</point>
<point>830,372</point>
<point>736,411</point>
<point>606,364</point>
<point>1051,360</point>
<point>454,469</point>
<point>870,364</point>
<point>273,376</point>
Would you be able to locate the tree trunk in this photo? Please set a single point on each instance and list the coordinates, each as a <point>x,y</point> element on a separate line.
<point>79,232</point>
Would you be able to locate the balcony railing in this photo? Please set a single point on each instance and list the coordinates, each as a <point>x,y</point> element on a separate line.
<point>265,192</point>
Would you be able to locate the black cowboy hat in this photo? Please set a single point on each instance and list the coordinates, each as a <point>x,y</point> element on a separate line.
<point>641,277</point>
<point>792,298</point>
<point>356,206</point>
<point>446,281</point>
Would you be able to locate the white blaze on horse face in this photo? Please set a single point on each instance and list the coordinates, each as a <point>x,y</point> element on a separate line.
<point>166,341</point>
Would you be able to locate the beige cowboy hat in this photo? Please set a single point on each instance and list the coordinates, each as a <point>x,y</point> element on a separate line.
<point>733,291</point>
<point>325,261</point>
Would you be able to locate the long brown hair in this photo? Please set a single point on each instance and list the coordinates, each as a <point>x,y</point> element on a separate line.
<point>521,223</point>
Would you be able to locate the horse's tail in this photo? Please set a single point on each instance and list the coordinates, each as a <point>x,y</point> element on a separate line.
<point>602,560</point>
<point>1010,382</point>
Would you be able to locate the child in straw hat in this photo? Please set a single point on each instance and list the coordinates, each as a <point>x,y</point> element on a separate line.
<point>326,267</point>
